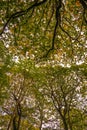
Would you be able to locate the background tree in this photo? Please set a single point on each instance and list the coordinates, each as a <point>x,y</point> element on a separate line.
<point>65,87</point>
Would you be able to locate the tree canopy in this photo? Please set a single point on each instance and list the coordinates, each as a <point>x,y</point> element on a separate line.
<point>43,64</point>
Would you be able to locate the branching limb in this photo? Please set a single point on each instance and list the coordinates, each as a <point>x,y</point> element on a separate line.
<point>58,19</point>
<point>21,13</point>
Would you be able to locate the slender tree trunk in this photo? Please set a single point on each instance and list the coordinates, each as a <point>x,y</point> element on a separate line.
<point>41,121</point>
<point>14,124</point>
<point>69,121</point>
<point>65,124</point>
<point>63,118</point>
<point>19,121</point>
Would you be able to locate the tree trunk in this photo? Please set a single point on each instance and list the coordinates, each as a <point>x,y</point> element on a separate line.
<point>63,117</point>
<point>69,121</point>
<point>65,124</point>
<point>14,124</point>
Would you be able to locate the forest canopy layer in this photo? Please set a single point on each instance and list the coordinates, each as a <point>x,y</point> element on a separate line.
<point>43,64</point>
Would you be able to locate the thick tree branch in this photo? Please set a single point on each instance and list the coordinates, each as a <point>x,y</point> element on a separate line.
<point>58,19</point>
<point>21,13</point>
<point>84,5</point>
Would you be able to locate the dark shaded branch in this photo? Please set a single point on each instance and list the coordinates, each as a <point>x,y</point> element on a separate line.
<point>58,7</point>
<point>65,101</point>
<point>19,112</point>
<point>65,32</point>
<point>84,13</point>
<point>58,19</point>
<point>84,5</point>
<point>79,33</point>
<point>21,13</point>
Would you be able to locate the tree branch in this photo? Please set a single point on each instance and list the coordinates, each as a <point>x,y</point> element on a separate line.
<point>21,13</point>
<point>84,5</point>
<point>58,19</point>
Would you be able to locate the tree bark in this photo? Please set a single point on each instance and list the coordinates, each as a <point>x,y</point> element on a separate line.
<point>65,124</point>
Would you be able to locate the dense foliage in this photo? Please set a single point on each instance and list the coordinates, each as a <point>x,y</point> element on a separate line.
<point>43,64</point>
